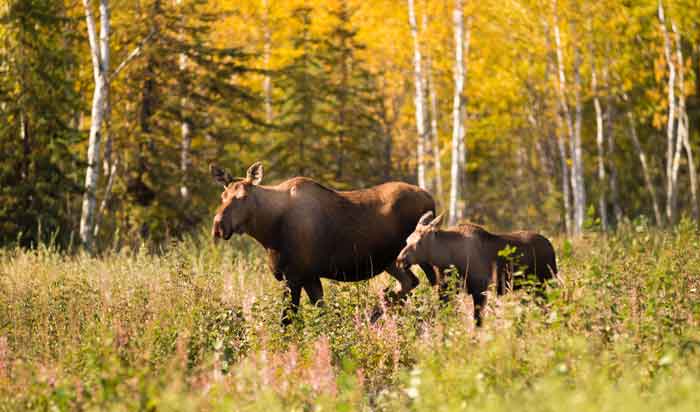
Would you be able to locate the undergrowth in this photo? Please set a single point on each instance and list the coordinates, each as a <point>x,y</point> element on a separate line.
<point>196,327</point>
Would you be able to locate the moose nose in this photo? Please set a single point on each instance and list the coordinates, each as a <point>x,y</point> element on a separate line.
<point>401,262</point>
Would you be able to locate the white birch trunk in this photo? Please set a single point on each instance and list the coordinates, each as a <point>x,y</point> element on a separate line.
<point>609,118</point>
<point>670,136</point>
<point>267,46</point>
<point>87,219</point>
<point>458,24</point>
<point>645,168</point>
<point>434,131</point>
<point>566,114</point>
<point>419,95</point>
<point>462,168</point>
<point>105,58</point>
<point>600,141</point>
<point>559,121</point>
<point>185,127</point>
<point>578,182</point>
<point>683,123</point>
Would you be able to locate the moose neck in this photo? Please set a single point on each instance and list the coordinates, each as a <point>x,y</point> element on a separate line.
<point>442,251</point>
<point>270,204</point>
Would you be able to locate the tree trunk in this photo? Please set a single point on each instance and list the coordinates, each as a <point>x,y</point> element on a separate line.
<point>645,168</point>
<point>683,123</point>
<point>267,80</point>
<point>600,140</point>
<point>26,143</point>
<point>672,157</point>
<point>87,218</point>
<point>609,119</point>
<point>185,122</point>
<point>462,168</point>
<point>107,197</point>
<point>434,133</point>
<point>577,178</point>
<point>105,56</point>
<point>418,98</point>
<point>458,27</point>
<point>565,117</point>
<point>610,140</point>
<point>437,164</point>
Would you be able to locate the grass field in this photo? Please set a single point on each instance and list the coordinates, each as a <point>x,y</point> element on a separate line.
<point>196,327</point>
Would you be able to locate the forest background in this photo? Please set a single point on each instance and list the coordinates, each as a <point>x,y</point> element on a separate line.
<point>556,115</point>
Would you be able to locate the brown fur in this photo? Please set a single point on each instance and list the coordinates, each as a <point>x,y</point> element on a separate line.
<point>311,231</point>
<point>473,251</point>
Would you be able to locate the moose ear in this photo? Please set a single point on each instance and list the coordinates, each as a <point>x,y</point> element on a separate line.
<point>436,222</point>
<point>220,175</point>
<point>255,173</point>
<point>425,219</point>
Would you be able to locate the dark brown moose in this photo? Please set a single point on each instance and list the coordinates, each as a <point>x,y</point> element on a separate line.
<point>474,252</point>
<point>311,231</point>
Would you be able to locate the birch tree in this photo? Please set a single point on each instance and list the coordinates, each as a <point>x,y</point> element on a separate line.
<point>673,145</point>
<point>564,116</point>
<point>600,140</point>
<point>419,94</point>
<point>434,134</point>
<point>434,113</point>
<point>645,167</point>
<point>683,123</point>
<point>458,27</point>
<point>185,121</point>
<point>100,75</point>
<point>577,179</point>
<point>267,47</point>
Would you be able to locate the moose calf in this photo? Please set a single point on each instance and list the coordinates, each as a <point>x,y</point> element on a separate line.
<point>473,251</point>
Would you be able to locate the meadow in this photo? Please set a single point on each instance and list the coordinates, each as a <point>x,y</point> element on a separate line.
<point>195,326</point>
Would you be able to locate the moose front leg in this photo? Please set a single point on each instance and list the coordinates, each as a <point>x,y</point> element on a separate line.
<point>406,278</point>
<point>292,294</point>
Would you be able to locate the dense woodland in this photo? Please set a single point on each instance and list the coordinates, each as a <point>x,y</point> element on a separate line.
<point>557,115</point>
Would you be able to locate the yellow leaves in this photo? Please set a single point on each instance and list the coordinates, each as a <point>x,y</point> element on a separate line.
<point>659,120</point>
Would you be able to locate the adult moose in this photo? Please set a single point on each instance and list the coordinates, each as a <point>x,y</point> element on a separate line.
<point>474,252</point>
<point>311,231</point>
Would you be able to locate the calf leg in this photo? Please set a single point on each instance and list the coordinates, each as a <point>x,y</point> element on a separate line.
<point>477,286</point>
<point>431,273</point>
<point>293,293</point>
<point>479,304</point>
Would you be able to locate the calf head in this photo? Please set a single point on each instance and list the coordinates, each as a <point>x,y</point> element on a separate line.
<point>420,243</point>
<point>237,200</point>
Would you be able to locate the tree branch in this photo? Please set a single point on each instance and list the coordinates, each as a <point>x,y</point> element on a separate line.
<point>133,55</point>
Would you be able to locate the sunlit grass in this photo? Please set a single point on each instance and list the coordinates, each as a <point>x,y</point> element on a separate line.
<point>196,327</point>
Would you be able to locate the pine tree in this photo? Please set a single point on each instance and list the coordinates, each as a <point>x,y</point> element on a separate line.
<point>38,175</point>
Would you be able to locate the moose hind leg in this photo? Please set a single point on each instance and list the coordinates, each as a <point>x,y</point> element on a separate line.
<point>479,304</point>
<point>293,292</point>
<point>314,289</point>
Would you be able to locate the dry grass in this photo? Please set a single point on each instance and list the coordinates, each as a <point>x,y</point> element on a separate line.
<point>197,328</point>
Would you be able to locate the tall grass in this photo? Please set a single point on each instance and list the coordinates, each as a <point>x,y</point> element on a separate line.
<point>197,328</point>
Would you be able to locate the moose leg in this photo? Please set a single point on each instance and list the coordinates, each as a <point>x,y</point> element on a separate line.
<point>293,292</point>
<point>431,273</point>
<point>407,280</point>
<point>314,290</point>
<point>477,287</point>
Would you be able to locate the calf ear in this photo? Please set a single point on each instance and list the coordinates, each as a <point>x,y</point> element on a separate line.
<point>255,173</point>
<point>220,175</point>
<point>436,222</point>
<point>425,219</point>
